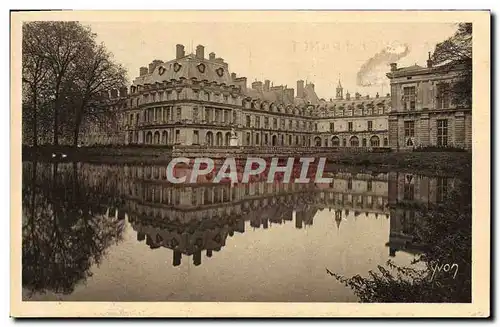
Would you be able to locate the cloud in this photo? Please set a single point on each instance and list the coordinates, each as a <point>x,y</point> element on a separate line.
<point>373,71</point>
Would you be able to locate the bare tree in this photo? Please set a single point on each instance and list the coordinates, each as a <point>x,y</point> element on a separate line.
<point>97,75</point>
<point>34,73</point>
<point>60,44</point>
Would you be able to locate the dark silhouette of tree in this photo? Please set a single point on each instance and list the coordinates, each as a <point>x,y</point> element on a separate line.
<point>456,51</point>
<point>65,231</point>
<point>446,229</point>
<point>63,61</point>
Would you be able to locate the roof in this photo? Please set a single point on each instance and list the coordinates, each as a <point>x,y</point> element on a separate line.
<point>187,67</point>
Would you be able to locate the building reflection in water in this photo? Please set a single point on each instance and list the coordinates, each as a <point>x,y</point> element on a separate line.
<point>195,220</point>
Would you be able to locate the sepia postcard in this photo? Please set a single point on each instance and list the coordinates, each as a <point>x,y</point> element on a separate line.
<point>250,164</point>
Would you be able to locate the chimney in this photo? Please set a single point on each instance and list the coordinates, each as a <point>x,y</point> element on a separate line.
<point>242,83</point>
<point>311,86</point>
<point>394,67</point>
<point>219,60</point>
<point>257,85</point>
<point>429,61</point>
<point>200,52</point>
<point>267,83</point>
<point>376,96</point>
<point>300,89</point>
<point>179,51</point>
<point>290,93</point>
<point>233,76</point>
<point>123,92</point>
<point>143,71</point>
<point>348,96</point>
<point>155,63</point>
<point>211,56</point>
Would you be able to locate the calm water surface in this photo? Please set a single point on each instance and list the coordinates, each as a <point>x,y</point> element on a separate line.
<point>94,232</point>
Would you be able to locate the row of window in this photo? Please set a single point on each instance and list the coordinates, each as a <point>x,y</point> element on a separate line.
<point>441,129</point>
<point>350,126</point>
<point>442,97</point>
<point>283,123</point>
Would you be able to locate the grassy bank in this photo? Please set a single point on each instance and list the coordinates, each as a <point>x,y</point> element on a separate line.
<point>447,163</point>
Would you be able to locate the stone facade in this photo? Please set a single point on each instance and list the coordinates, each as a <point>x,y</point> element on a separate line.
<point>194,100</point>
<point>423,113</point>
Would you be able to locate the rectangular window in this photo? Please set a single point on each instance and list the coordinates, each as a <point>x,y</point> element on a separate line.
<point>443,96</point>
<point>196,137</point>
<point>179,115</point>
<point>370,125</point>
<point>409,98</point>
<point>441,189</point>
<point>234,116</point>
<point>216,115</point>
<point>177,135</point>
<point>207,114</point>
<point>290,122</point>
<point>266,122</point>
<point>257,122</point>
<point>332,127</point>
<point>296,124</point>
<point>195,114</point>
<point>226,116</point>
<point>409,191</point>
<point>409,128</point>
<point>349,184</point>
<point>315,127</point>
<point>349,126</point>
<point>247,121</point>
<point>275,123</point>
<point>369,186</point>
<point>442,132</point>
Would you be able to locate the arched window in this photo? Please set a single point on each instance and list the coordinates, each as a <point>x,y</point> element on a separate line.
<point>228,139</point>
<point>218,139</point>
<point>335,141</point>
<point>274,140</point>
<point>164,137</point>
<point>209,138</point>
<point>354,141</point>
<point>157,138</point>
<point>149,138</point>
<point>374,141</point>
<point>317,141</point>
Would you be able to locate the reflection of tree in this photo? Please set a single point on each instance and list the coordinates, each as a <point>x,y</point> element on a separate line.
<point>446,229</point>
<point>65,230</point>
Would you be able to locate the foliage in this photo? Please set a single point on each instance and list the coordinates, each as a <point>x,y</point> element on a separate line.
<point>456,51</point>
<point>433,148</point>
<point>446,229</point>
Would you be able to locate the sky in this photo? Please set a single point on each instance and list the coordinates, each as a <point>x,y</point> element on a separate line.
<point>283,52</point>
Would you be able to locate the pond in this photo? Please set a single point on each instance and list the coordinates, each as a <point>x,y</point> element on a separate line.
<point>110,232</point>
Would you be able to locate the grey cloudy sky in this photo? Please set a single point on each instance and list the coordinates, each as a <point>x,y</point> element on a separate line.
<point>282,52</point>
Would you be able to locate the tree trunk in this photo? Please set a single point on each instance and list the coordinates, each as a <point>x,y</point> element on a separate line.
<point>78,123</point>
<point>56,113</point>
<point>35,132</point>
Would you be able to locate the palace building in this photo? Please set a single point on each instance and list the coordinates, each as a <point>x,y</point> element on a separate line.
<point>195,100</point>
<point>423,113</point>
